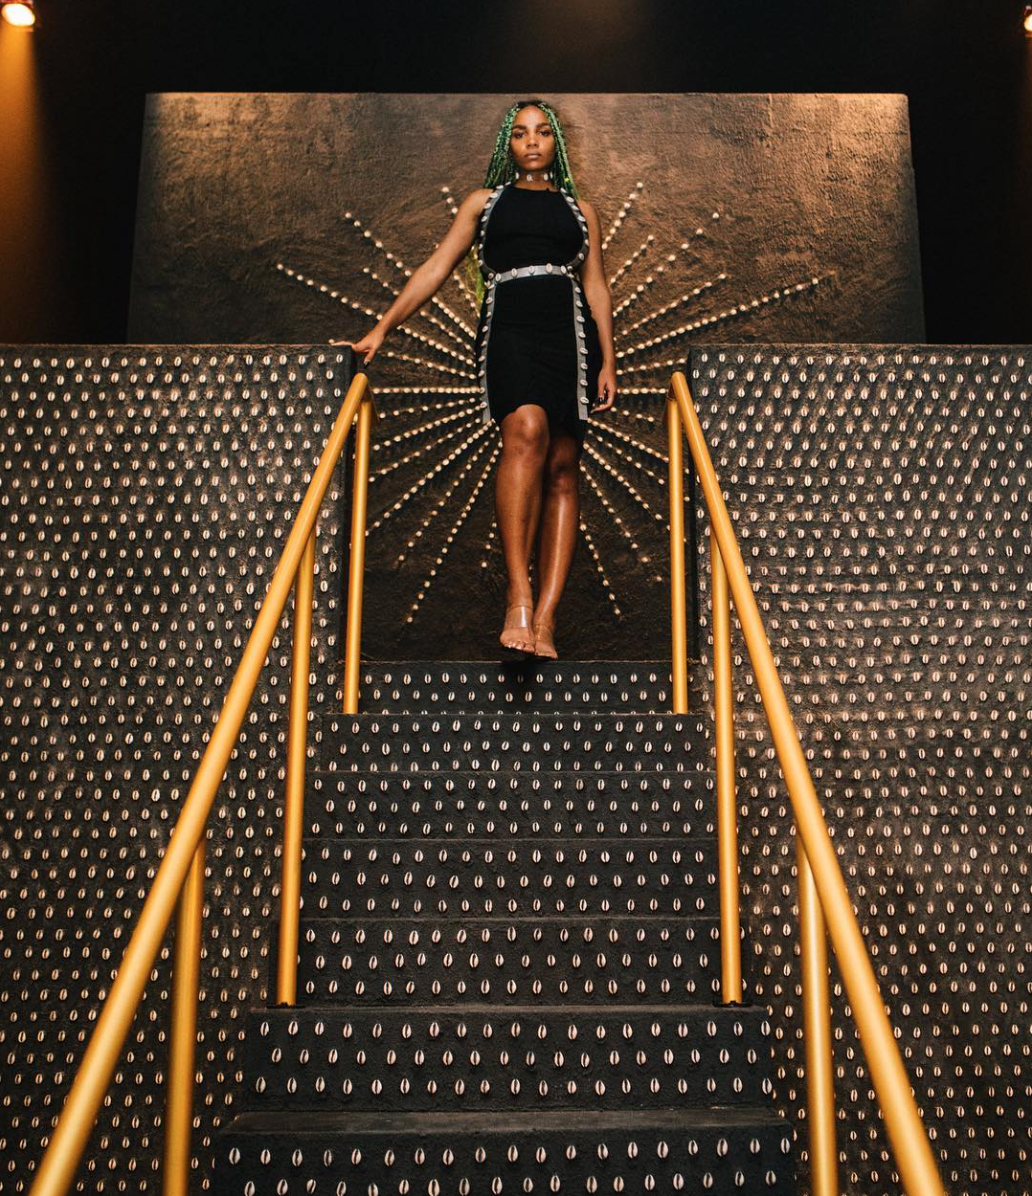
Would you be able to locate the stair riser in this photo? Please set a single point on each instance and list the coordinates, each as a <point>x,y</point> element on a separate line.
<point>499,962</point>
<point>533,744</point>
<point>721,1161</point>
<point>389,1061</point>
<point>343,878</point>
<point>442,686</point>
<point>475,806</point>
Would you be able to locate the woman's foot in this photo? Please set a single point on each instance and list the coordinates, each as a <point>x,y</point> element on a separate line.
<point>517,634</point>
<point>544,645</point>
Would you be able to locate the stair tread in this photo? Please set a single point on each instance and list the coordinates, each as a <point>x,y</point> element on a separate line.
<point>715,1116</point>
<point>504,715</point>
<point>371,663</point>
<point>537,842</point>
<point>454,775</point>
<point>416,771</point>
<point>505,919</point>
<point>608,1011</point>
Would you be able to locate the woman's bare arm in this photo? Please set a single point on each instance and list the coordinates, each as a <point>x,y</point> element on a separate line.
<point>427,279</point>
<point>596,291</point>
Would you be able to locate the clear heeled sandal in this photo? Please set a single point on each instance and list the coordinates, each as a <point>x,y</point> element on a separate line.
<point>517,638</point>
<point>544,644</point>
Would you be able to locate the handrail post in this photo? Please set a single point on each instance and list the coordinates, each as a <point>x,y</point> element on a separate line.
<point>820,1072</point>
<point>678,617</point>
<point>186,967</point>
<point>727,816</point>
<point>356,562</point>
<point>294,798</point>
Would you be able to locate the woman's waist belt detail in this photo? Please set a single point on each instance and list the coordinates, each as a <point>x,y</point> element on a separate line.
<point>541,269</point>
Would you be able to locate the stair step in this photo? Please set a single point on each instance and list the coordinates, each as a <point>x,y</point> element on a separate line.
<point>521,742</point>
<point>509,952</point>
<point>480,877</point>
<point>517,1058</point>
<point>504,961</point>
<point>723,1152</point>
<point>487,805</point>
<point>477,686</point>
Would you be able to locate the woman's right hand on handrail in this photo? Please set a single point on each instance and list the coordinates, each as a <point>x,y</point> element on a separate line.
<point>368,344</point>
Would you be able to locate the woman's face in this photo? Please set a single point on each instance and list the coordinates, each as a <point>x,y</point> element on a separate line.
<point>532,143</point>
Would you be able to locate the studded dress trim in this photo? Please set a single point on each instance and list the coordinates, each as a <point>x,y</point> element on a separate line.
<point>567,269</point>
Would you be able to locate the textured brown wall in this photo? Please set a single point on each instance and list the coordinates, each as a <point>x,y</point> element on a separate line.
<point>259,218</point>
<point>804,185</point>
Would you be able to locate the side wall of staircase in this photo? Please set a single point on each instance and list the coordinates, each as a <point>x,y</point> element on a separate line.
<point>884,508</point>
<point>146,495</point>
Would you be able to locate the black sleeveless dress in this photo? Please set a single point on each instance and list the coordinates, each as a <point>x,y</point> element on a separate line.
<point>536,341</point>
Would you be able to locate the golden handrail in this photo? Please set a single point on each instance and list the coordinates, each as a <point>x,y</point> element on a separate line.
<point>294,799</point>
<point>185,852</point>
<point>911,1148</point>
<point>727,815</point>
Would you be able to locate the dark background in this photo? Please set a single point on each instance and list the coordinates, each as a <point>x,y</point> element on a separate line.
<point>965,65</point>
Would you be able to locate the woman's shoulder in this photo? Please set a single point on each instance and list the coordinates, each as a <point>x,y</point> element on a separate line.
<point>587,208</point>
<point>476,200</point>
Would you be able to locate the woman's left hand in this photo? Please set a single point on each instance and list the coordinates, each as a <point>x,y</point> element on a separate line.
<point>606,388</point>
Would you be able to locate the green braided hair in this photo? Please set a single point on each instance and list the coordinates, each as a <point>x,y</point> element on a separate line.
<point>503,170</point>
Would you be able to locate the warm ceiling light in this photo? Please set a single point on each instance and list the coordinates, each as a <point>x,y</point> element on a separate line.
<point>19,13</point>
<point>1028,19</point>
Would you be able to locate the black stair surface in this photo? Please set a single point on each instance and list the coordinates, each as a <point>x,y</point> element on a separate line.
<point>467,805</point>
<point>537,742</point>
<point>480,687</point>
<point>509,960</point>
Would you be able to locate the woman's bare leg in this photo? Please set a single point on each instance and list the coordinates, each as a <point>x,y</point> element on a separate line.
<point>518,498</point>
<point>560,519</point>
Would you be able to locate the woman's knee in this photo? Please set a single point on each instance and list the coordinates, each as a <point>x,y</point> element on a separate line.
<point>525,432</point>
<point>561,468</point>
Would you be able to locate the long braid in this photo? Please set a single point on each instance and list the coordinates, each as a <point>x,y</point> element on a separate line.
<point>502,169</point>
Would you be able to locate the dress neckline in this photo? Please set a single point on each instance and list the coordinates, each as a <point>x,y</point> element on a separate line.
<point>540,190</point>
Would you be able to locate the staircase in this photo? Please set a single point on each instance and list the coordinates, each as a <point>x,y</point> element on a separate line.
<point>509,967</point>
